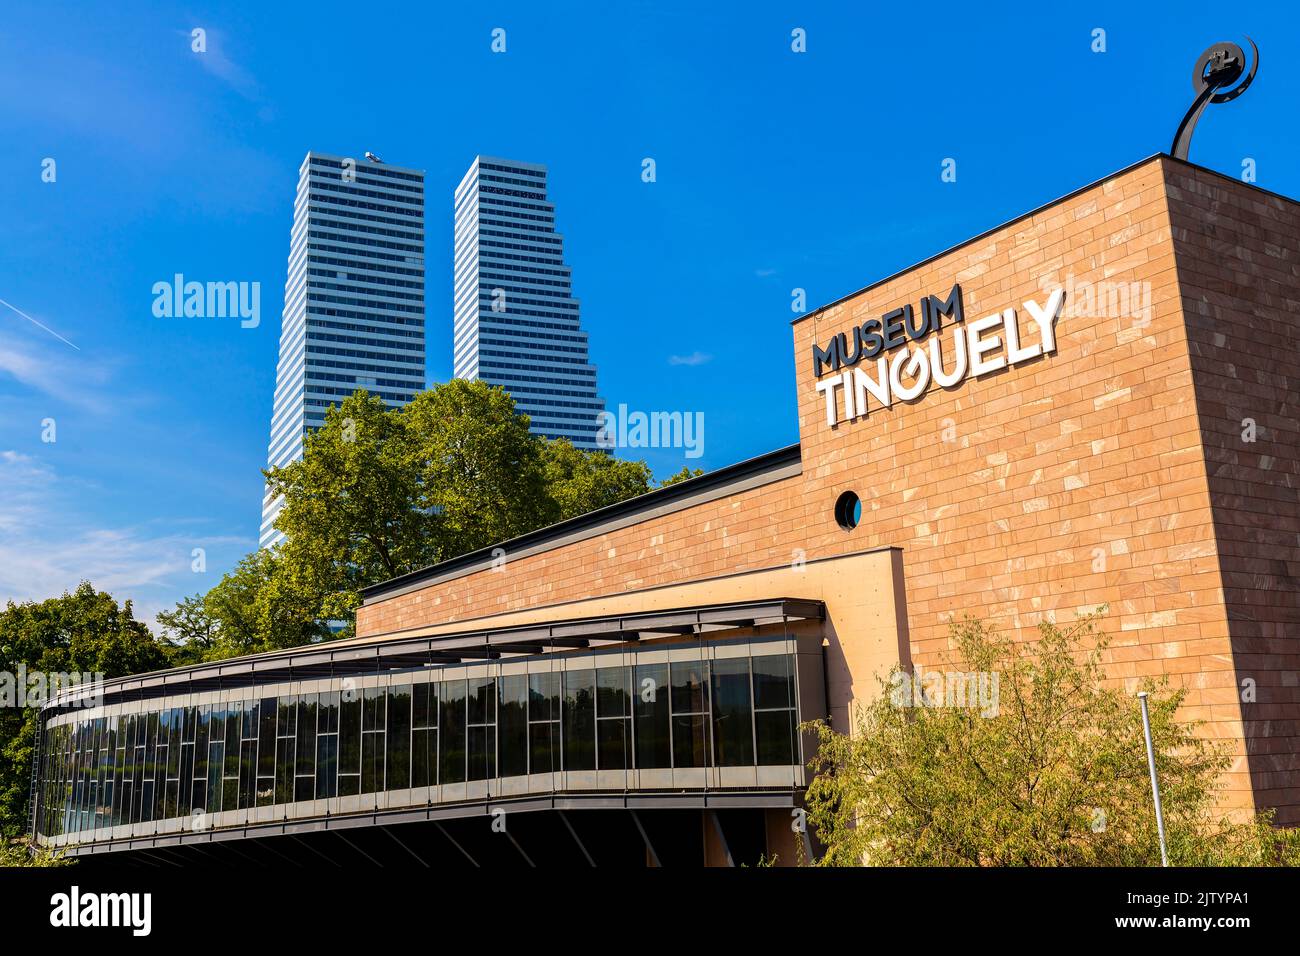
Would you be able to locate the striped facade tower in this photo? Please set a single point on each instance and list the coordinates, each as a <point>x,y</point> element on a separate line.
<point>353,302</point>
<point>516,320</point>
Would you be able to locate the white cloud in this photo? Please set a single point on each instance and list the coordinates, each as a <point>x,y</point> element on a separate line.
<point>695,358</point>
<point>48,547</point>
<point>214,60</point>
<point>55,370</point>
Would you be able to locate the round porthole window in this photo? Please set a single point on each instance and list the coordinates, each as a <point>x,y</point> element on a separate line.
<point>848,511</point>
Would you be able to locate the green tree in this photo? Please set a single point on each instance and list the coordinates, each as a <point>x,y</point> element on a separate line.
<point>382,492</point>
<point>379,493</point>
<point>260,606</point>
<point>1053,773</point>
<point>352,512</point>
<point>579,481</point>
<point>479,468</point>
<point>84,632</point>
<point>18,852</point>
<point>192,632</point>
<point>686,474</point>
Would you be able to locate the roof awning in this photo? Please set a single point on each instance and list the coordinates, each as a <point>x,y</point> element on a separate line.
<point>375,656</point>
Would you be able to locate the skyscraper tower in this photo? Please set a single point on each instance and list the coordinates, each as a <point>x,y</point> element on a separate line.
<point>353,300</point>
<point>516,320</point>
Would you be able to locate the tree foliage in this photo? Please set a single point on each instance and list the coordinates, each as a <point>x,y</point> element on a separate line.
<point>1055,774</point>
<point>686,474</point>
<point>19,852</point>
<point>85,632</point>
<point>191,631</point>
<point>381,492</point>
<point>579,481</point>
<point>257,606</point>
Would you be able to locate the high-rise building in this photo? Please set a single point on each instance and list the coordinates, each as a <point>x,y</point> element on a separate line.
<point>516,320</point>
<point>353,300</point>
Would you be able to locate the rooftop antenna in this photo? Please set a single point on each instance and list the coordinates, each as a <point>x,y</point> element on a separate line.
<point>1217,69</point>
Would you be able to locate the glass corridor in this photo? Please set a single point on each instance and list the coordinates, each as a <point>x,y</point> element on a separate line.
<point>631,717</point>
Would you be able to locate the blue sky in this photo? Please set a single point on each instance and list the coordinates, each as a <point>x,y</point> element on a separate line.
<point>775,171</point>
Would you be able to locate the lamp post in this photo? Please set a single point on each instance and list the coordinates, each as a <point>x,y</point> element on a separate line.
<point>1155,783</point>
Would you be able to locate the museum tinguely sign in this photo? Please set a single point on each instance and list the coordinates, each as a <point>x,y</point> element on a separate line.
<point>970,350</point>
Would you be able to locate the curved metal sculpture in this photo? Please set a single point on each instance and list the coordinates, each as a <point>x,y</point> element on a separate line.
<point>1217,69</point>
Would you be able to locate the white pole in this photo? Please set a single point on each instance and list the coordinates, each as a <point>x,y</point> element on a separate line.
<point>1155,784</point>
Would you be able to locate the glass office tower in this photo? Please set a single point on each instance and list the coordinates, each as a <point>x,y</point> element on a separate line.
<point>516,320</point>
<point>353,303</point>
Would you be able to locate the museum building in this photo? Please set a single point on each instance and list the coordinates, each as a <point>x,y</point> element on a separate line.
<point>1093,405</point>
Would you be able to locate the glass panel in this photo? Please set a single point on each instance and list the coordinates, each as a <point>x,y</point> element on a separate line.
<point>611,743</point>
<point>349,739</point>
<point>327,753</point>
<point>733,730</point>
<point>451,720</point>
<point>773,682</point>
<point>689,745</point>
<point>224,775</point>
<point>544,696</point>
<point>328,715</point>
<point>173,794</point>
<point>287,712</point>
<point>424,744</point>
<point>216,755</point>
<point>266,738</point>
<point>101,766</point>
<point>150,793</point>
<point>775,732</point>
<point>481,738</point>
<point>690,691</point>
<point>512,725</point>
<point>543,746</point>
<point>234,718</point>
<point>118,763</point>
<point>482,701</point>
<point>284,764</point>
<point>690,701</point>
<point>174,743</point>
<point>481,746</point>
<point>613,698</point>
<point>266,787</point>
<point>267,712</point>
<point>613,704</point>
<point>420,705</point>
<point>373,718</point>
<point>183,806</point>
<point>201,753</point>
<point>579,720</point>
<point>422,759</point>
<point>247,773</point>
<point>398,775</point>
<point>372,762</point>
<point>306,762</point>
<point>653,737</point>
<point>544,722</point>
<point>372,708</point>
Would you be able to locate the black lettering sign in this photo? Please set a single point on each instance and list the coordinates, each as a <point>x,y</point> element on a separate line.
<point>888,332</point>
